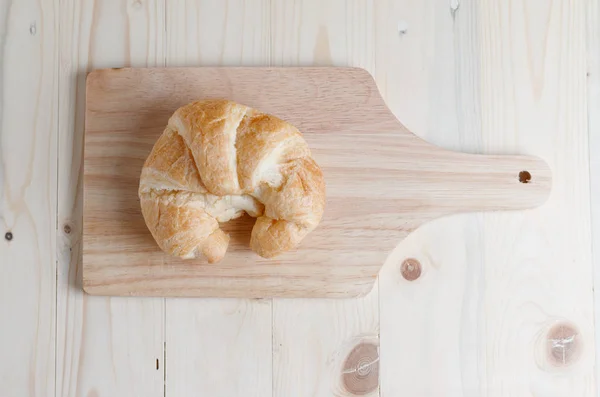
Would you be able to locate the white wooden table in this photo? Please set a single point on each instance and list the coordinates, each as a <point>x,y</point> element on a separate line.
<point>504,305</point>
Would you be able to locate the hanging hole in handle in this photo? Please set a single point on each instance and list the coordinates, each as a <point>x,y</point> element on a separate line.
<point>524,177</point>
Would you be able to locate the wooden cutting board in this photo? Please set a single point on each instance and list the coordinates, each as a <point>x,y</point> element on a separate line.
<point>382,182</point>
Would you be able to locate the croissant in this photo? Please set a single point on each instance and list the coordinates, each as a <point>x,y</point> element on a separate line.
<point>217,160</point>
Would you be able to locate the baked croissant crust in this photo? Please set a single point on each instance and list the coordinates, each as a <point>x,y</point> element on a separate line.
<point>217,160</point>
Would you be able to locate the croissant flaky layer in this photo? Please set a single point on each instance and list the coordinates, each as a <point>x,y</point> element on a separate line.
<point>217,160</point>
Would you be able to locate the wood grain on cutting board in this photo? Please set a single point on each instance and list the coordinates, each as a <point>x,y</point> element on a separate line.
<point>382,182</point>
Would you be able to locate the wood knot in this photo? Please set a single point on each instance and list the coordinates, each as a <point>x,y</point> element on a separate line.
<point>360,373</point>
<point>67,228</point>
<point>410,269</point>
<point>563,345</point>
<point>8,236</point>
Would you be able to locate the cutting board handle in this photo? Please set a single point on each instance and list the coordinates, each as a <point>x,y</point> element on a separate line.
<point>485,182</point>
<point>448,182</point>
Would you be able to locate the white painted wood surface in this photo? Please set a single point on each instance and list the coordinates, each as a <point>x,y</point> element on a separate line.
<point>504,303</point>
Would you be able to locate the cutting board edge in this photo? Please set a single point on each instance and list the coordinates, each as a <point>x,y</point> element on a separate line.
<point>355,293</point>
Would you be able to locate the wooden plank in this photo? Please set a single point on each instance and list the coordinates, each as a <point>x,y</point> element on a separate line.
<point>28,133</point>
<point>324,347</point>
<point>593,103</point>
<point>494,310</point>
<point>546,320</point>
<point>433,280</point>
<point>218,347</point>
<point>106,346</point>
